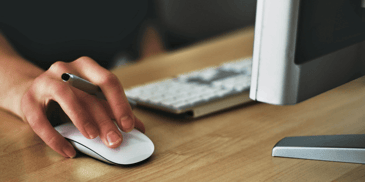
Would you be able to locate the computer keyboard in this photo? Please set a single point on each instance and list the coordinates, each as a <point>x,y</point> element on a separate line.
<point>199,92</point>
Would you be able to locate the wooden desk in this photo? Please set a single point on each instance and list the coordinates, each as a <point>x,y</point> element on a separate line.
<point>232,145</point>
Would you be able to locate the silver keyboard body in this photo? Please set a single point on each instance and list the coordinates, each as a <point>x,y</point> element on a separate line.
<point>199,92</point>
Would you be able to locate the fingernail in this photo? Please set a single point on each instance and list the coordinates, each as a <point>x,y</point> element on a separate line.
<point>91,130</point>
<point>127,123</point>
<point>69,150</point>
<point>113,138</point>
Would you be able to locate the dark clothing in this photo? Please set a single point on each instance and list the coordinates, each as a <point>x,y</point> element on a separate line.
<point>47,31</point>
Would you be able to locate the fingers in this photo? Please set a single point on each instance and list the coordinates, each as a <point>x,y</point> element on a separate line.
<point>75,111</point>
<point>61,93</point>
<point>109,132</point>
<point>34,106</point>
<point>38,122</point>
<point>112,90</point>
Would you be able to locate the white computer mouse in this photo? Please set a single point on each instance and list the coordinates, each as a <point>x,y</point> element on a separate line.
<point>135,147</point>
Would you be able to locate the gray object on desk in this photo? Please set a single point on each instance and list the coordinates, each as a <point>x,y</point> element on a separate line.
<point>338,148</point>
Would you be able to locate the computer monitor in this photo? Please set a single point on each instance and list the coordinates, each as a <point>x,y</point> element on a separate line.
<point>303,48</point>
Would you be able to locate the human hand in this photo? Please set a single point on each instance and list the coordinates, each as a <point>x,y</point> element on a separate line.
<point>92,116</point>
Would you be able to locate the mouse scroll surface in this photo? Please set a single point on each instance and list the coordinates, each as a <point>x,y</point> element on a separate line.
<point>135,147</point>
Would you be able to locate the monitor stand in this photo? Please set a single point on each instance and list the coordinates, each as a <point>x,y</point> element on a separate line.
<point>338,148</point>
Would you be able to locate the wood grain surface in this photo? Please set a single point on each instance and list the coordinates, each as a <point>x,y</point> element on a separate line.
<point>231,145</point>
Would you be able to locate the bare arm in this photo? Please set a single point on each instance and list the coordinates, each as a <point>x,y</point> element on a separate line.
<point>16,76</point>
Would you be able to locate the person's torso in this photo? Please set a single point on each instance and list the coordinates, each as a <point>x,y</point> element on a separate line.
<point>47,31</point>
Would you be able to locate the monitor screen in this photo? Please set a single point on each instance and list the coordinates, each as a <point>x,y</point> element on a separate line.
<point>326,26</point>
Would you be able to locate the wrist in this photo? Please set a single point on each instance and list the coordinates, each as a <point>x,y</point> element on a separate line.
<point>16,77</point>
<point>13,97</point>
<point>15,83</point>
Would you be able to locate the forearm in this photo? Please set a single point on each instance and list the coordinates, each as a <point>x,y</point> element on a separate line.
<point>16,76</point>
